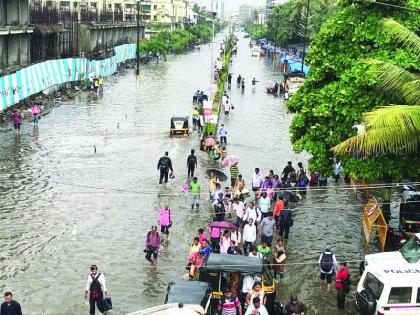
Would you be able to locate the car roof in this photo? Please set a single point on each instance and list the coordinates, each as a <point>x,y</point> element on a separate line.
<point>392,269</point>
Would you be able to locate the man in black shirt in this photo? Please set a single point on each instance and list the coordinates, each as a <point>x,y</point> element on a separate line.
<point>164,165</point>
<point>10,307</point>
<point>191,163</point>
<point>288,169</point>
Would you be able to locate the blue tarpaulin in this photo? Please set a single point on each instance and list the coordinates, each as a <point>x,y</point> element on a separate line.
<point>296,67</point>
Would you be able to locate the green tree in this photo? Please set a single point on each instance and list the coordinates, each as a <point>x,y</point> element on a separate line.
<point>394,129</point>
<point>287,21</point>
<point>341,87</point>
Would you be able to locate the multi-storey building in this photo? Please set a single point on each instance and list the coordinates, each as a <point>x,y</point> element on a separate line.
<point>82,27</point>
<point>171,12</point>
<point>14,35</point>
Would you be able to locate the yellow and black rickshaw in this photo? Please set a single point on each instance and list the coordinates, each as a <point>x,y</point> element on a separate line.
<point>220,269</point>
<point>179,126</point>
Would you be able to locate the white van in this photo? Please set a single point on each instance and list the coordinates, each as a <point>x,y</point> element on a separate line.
<point>390,283</point>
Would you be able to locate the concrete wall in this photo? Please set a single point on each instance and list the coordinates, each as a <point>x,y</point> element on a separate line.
<point>93,37</point>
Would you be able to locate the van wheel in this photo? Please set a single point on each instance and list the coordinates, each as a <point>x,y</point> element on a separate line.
<point>366,303</point>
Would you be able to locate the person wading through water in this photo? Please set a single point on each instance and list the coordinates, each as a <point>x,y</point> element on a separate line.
<point>164,166</point>
<point>191,164</point>
<point>96,287</point>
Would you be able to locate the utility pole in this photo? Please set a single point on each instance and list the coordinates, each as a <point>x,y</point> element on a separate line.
<point>138,43</point>
<point>305,35</point>
<point>211,54</point>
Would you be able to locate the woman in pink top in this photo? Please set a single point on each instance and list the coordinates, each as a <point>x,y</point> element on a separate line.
<point>270,192</point>
<point>165,220</point>
<point>36,111</point>
<point>201,235</point>
<point>225,242</point>
<point>215,237</point>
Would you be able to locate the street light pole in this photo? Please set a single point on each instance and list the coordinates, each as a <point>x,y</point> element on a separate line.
<point>138,43</point>
<point>211,57</point>
<point>306,30</point>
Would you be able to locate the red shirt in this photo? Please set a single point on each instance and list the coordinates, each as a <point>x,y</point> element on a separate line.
<point>278,207</point>
<point>342,274</point>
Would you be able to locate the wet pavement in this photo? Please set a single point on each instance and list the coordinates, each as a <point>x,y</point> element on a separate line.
<point>63,207</point>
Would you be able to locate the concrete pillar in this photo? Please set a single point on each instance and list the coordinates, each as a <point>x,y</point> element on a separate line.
<point>2,12</point>
<point>12,12</point>
<point>13,43</point>
<point>24,12</point>
<point>2,53</point>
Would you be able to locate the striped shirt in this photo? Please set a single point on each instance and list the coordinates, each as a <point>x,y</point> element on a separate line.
<point>229,306</point>
<point>234,171</point>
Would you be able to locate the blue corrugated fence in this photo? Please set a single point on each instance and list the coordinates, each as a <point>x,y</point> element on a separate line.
<point>36,78</point>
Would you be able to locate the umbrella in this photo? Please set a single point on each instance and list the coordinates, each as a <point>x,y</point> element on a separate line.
<point>219,174</point>
<point>223,225</point>
<point>230,160</point>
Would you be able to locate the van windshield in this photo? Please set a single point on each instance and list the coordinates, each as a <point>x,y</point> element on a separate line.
<point>372,284</point>
<point>411,250</point>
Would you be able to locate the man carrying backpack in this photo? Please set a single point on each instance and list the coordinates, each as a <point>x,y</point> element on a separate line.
<point>342,284</point>
<point>191,164</point>
<point>327,265</point>
<point>229,304</point>
<point>164,165</point>
<point>96,287</point>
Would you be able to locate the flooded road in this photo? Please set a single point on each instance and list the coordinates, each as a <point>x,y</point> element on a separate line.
<point>63,208</point>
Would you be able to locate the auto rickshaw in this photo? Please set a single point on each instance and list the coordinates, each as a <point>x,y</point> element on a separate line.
<point>220,268</point>
<point>179,126</point>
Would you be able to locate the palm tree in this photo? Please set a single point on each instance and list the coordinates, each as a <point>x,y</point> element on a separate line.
<point>396,128</point>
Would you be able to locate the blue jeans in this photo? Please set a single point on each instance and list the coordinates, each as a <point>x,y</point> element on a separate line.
<point>267,239</point>
<point>35,118</point>
<point>195,201</point>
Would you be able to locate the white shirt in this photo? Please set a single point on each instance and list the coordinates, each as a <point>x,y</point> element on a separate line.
<point>257,180</point>
<point>239,209</point>
<point>265,204</point>
<point>261,310</point>
<point>227,106</point>
<point>101,280</point>
<point>249,233</point>
<point>223,131</point>
<point>258,255</point>
<point>247,284</point>
<point>224,99</point>
<point>254,214</point>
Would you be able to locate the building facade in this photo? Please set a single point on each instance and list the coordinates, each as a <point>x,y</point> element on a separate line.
<point>171,12</point>
<point>88,28</point>
<point>15,35</point>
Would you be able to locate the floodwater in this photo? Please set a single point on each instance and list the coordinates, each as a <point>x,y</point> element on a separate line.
<point>63,207</point>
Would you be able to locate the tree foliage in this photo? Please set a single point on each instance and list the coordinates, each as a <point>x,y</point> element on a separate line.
<point>287,21</point>
<point>394,129</point>
<point>340,87</point>
<point>179,40</point>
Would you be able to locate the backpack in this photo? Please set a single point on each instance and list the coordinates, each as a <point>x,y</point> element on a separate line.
<point>95,287</point>
<point>326,262</point>
<point>164,163</point>
<point>347,284</point>
<point>191,159</point>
